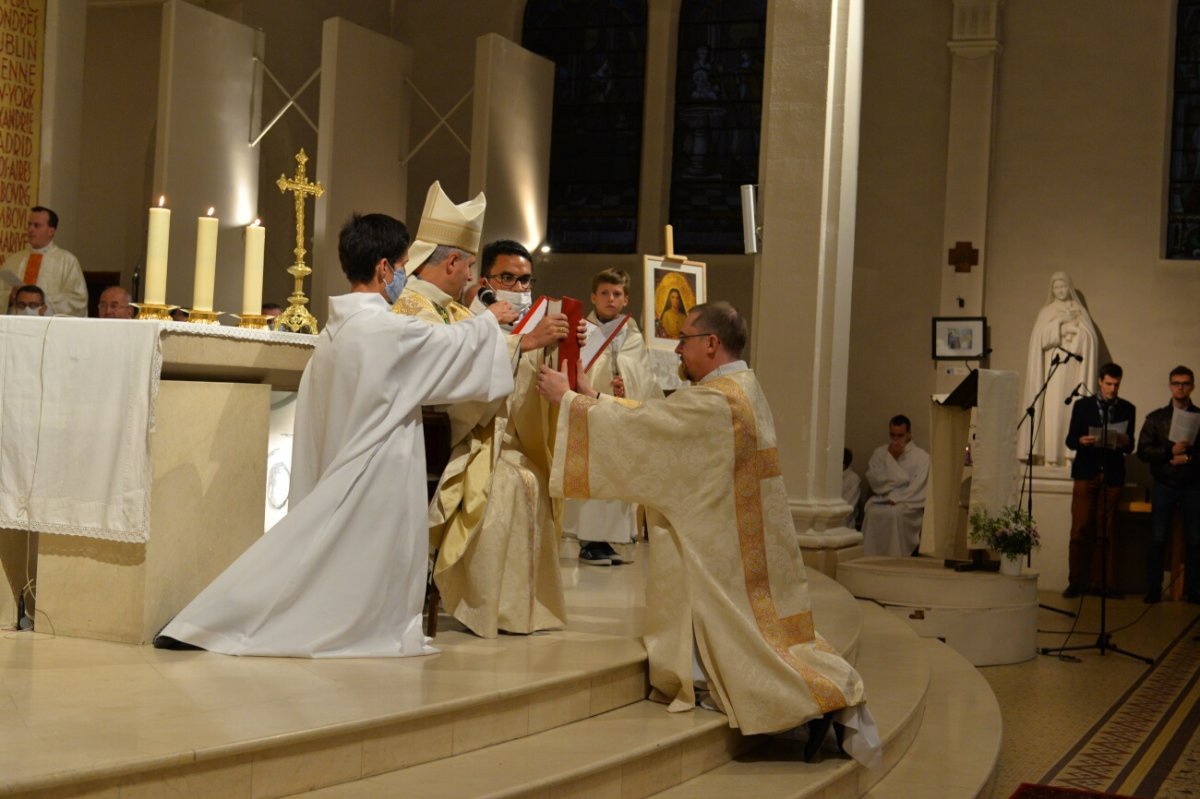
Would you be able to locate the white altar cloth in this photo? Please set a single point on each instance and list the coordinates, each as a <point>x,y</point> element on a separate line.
<point>76,409</point>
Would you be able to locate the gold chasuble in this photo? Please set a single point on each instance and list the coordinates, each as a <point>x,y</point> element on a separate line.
<point>490,522</point>
<point>726,579</point>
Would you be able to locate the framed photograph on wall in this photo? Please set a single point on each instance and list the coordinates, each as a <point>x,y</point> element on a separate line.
<point>672,289</point>
<point>959,338</point>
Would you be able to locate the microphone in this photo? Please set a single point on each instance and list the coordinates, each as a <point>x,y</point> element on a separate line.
<point>1071,355</point>
<point>1074,393</point>
<point>486,295</point>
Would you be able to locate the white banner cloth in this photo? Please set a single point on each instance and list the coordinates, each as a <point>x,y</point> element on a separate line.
<point>76,403</point>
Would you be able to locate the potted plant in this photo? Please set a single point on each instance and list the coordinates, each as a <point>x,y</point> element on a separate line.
<point>1011,533</point>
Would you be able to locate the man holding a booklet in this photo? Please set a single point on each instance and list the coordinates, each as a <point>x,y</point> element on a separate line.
<point>1101,435</point>
<point>1168,444</point>
<point>490,524</point>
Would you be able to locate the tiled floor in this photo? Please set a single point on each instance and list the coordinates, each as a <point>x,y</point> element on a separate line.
<point>1048,704</point>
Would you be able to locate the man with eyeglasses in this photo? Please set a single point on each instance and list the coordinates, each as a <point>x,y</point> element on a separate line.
<point>30,301</point>
<point>1168,444</point>
<point>728,612</point>
<point>490,523</point>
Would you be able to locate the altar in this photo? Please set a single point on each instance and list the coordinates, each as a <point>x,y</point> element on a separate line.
<point>205,479</point>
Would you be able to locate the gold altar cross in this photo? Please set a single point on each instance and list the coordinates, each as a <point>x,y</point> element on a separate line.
<point>963,256</point>
<point>302,188</point>
<point>297,318</point>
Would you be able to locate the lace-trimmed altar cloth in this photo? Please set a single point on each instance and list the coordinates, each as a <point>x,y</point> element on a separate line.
<point>76,412</point>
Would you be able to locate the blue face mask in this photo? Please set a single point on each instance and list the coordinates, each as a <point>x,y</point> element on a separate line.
<point>396,285</point>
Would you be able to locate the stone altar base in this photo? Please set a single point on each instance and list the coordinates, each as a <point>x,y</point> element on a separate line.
<point>206,507</point>
<point>987,618</point>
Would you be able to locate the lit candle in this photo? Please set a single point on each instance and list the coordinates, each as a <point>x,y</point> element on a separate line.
<point>156,254</point>
<point>256,237</point>
<point>206,261</point>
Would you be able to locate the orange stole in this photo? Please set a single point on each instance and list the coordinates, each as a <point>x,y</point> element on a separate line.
<point>32,267</point>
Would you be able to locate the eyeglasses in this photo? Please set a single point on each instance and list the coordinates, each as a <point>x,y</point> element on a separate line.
<point>1180,383</point>
<point>682,336</point>
<point>23,305</point>
<point>508,280</point>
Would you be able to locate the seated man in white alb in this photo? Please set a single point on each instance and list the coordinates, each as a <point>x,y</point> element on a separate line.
<point>898,474</point>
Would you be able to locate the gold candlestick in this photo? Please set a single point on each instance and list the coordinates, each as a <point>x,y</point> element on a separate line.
<point>297,318</point>
<point>203,317</point>
<point>253,321</point>
<point>153,311</point>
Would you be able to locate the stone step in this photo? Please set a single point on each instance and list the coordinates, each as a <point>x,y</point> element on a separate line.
<point>956,750</point>
<point>895,665</point>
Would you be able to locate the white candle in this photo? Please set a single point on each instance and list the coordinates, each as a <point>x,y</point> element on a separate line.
<point>206,262</point>
<point>256,237</point>
<point>156,254</point>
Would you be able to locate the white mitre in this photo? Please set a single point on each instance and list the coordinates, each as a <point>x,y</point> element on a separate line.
<point>444,223</point>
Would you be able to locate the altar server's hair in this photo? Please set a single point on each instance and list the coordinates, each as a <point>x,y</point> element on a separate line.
<point>1111,370</point>
<point>365,239</point>
<point>900,420</point>
<point>614,277</point>
<point>724,321</point>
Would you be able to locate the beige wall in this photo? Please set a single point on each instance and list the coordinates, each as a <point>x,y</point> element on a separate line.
<point>1078,180</point>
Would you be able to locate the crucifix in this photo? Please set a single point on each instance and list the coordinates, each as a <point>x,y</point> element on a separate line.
<point>963,256</point>
<point>297,318</point>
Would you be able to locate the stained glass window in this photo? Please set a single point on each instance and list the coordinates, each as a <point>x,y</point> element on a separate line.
<point>718,117</point>
<point>599,52</point>
<point>1183,195</point>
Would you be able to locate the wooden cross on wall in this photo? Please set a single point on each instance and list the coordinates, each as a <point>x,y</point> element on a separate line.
<point>963,256</point>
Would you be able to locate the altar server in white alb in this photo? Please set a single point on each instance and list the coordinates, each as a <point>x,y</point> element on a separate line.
<point>343,574</point>
<point>48,266</point>
<point>623,370</point>
<point>898,473</point>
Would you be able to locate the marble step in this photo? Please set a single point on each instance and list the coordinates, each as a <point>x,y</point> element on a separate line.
<point>952,755</point>
<point>630,752</point>
<point>956,750</point>
<point>642,750</point>
<point>895,665</point>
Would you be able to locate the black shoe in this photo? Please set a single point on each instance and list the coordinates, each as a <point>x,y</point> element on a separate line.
<point>167,642</point>
<point>1152,598</point>
<point>817,730</point>
<point>1071,591</point>
<point>592,554</point>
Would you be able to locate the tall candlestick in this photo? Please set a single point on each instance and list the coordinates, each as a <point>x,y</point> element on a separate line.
<point>156,254</point>
<point>256,237</point>
<point>206,262</point>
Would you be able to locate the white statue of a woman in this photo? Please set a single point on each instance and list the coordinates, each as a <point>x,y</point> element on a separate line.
<point>1062,324</point>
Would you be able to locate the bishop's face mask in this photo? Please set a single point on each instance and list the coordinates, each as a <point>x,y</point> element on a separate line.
<point>395,286</point>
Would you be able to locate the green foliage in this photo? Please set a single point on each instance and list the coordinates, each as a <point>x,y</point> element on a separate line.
<point>1011,533</point>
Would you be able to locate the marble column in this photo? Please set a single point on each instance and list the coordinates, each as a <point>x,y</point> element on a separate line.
<point>808,173</point>
<point>975,49</point>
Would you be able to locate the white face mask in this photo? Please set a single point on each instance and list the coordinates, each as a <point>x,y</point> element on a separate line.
<point>29,312</point>
<point>521,301</point>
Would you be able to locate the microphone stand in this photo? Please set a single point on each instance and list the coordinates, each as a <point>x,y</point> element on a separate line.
<point>1027,480</point>
<point>1104,641</point>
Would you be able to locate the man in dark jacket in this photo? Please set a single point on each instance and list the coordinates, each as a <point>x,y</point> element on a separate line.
<point>1101,434</point>
<point>1176,483</point>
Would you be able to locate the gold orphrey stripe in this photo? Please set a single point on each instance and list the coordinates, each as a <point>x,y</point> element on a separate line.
<point>575,467</point>
<point>752,465</point>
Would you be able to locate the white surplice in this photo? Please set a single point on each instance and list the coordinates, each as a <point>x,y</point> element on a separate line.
<point>343,574</point>
<point>892,518</point>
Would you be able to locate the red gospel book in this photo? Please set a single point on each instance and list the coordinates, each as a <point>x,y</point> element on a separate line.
<point>568,348</point>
